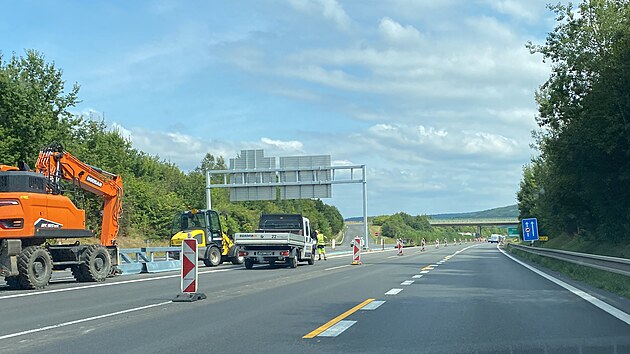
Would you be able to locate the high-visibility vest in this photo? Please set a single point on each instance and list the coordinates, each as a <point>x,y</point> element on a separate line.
<point>321,240</point>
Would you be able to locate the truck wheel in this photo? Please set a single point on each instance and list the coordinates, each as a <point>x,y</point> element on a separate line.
<point>272,264</point>
<point>237,260</point>
<point>212,258</point>
<point>35,267</point>
<point>311,260</point>
<point>249,264</point>
<point>293,262</point>
<point>97,266</point>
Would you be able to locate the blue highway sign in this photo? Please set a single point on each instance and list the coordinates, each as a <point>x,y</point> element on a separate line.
<point>530,229</point>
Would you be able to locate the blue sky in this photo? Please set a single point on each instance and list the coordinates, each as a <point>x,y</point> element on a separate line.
<point>435,97</point>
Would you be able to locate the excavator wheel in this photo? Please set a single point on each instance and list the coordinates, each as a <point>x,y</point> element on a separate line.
<point>35,267</point>
<point>212,257</point>
<point>97,266</point>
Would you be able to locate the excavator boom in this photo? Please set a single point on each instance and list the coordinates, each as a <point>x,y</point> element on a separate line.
<point>57,164</point>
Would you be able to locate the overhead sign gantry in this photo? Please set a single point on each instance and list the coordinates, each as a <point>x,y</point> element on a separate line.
<point>253,176</point>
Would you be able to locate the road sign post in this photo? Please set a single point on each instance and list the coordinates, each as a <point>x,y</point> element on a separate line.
<point>189,279</point>
<point>356,254</point>
<point>530,229</point>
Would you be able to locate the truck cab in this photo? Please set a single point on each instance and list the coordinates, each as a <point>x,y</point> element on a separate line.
<point>215,246</point>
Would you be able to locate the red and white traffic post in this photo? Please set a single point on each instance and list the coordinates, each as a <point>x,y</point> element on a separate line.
<point>422,245</point>
<point>400,247</point>
<point>189,279</point>
<point>356,248</point>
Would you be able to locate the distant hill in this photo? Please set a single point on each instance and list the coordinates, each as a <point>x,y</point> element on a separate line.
<point>510,211</point>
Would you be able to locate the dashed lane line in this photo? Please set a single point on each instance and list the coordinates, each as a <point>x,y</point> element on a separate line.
<point>417,276</point>
<point>394,291</point>
<point>337,328</point>
<point>372,305</point>
<point>407,282</point>
<point>337,319</point>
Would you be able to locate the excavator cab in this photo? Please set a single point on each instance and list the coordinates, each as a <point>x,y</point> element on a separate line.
<point>215,247</point>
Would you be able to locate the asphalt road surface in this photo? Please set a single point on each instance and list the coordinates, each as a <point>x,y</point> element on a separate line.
<point>467,298</point>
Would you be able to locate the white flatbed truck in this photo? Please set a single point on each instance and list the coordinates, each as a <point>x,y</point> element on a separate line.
<point>284,238</point>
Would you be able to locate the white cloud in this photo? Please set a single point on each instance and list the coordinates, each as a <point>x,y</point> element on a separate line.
<point>519,9</point>
<point>292,145</point>
<point>395,32</point>
<point>329,9</point>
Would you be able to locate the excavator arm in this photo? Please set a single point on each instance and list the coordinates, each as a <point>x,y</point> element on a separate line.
<point>57,164</point>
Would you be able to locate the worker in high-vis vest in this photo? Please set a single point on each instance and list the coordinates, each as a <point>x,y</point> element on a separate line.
<point>321,245</point>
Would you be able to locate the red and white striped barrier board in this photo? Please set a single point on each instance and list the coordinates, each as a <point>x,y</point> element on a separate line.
<point>189,265</point>
<point>356,248</point>
<point>400,248</point>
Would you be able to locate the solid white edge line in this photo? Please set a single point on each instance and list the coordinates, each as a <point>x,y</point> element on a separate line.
<point>338,267</point>
<point>611,310</point>
<point>106,284</point>
<point>82,320</point>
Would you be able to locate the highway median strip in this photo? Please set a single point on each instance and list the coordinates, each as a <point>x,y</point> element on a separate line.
<point>337,319</point>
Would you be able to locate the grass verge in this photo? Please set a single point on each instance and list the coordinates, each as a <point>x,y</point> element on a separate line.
<point>614,283</point>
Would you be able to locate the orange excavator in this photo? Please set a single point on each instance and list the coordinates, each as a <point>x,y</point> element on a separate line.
<point>35,216</point>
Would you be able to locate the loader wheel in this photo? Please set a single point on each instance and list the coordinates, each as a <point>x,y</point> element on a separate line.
<point>293,262</point>
<point>97,266</point>
<point>213,257</point>
<point>35,267</point>
<point>249,264</point>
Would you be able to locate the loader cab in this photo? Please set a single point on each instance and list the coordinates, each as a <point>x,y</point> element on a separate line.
<point>203,225</point>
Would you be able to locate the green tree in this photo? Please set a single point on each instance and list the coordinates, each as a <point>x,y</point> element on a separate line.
<point>33,107</point>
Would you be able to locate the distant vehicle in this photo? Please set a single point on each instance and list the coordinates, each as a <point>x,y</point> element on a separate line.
<point>494,238</point>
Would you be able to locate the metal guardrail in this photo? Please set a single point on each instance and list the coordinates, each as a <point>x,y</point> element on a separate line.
<point>610,264</point>
<point>148,259</point>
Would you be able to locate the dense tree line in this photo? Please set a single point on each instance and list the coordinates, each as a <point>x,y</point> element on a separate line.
<point>408,227</point>
<point>35,112</point>
<point>579,185</point>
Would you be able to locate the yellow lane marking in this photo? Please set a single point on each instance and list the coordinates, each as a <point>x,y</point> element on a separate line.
<point>337,319</point>
<point>427,268</point>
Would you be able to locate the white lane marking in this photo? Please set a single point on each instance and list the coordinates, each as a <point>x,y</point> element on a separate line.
<point>407,282</point>
<point>417,276</point>
<point>394,291</point>
<point>434,265</point>
<point>584,295</point>
<point>424,272</point>
<point>428,268</point>
<point>393,256</point>
<point>64,324</point>
<point>372,305</point>
<point>440,262</point>
<point>106,284</point>
<point>337,329</point>
<point>338,267</point>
